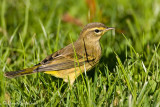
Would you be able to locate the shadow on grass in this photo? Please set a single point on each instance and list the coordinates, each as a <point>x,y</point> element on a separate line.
<point>110,61</point>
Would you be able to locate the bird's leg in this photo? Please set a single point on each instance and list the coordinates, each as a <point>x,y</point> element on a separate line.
<point>71,81</point>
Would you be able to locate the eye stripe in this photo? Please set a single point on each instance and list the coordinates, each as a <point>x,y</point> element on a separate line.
<point>99,28</point>
<point>92,29</point>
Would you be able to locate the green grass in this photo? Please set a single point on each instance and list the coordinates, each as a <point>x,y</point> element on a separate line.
<point>128,73</point>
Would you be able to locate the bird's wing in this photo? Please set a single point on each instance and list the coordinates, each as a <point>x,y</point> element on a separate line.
<point>58,62</point>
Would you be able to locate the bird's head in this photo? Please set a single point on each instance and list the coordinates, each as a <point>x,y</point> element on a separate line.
<point>94,31</point>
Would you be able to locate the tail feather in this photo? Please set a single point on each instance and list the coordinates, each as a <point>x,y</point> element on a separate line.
<point>26,71</point>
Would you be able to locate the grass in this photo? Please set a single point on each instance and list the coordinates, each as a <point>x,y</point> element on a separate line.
<point>128,73</point>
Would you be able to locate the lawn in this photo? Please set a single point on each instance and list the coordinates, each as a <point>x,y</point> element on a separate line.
<point>128,73</point>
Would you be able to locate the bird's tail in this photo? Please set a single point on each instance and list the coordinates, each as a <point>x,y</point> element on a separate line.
<point>26,71</point>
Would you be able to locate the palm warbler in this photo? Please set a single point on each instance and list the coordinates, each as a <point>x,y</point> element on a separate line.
<point>72,60</point>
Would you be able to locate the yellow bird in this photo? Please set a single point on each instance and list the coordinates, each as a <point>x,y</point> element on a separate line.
<point>72,60</point>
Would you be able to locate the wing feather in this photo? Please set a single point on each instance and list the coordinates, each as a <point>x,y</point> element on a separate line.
<point>62,62</point>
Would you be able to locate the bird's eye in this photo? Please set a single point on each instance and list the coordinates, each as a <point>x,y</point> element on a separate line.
<point>97,31</point>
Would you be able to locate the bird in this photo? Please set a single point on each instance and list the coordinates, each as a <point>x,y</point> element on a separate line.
<point>74,59</point>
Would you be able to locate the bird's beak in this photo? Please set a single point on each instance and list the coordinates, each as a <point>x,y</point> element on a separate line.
<point>109,28</point>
